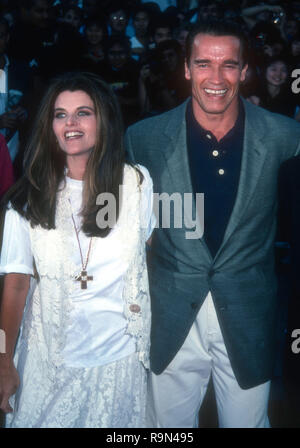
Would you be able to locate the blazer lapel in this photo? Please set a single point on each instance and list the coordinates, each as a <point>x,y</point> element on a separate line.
<point>253,158</point>
<point>177,161</point>
<point>176,153</point>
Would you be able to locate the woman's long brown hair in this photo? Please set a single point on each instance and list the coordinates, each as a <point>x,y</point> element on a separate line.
<point>34,195</point>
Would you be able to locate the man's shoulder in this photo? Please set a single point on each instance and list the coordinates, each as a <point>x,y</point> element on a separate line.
<point>158,123</point>
<point>271,122</point>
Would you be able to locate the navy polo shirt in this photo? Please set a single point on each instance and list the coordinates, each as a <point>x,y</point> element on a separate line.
<point>215,171</point>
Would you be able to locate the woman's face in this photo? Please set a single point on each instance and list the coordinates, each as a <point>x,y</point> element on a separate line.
<point>75,123</point>
<point>94,34</point>
<point>277,74</point>
<point>72,18</point>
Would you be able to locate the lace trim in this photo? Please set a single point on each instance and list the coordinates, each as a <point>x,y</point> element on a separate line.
<point>50,318</point>
<point>136,291</point>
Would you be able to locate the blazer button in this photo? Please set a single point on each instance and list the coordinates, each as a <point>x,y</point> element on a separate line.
<point>211,272</point>
<point>135,308</point>
<point>194,305</point>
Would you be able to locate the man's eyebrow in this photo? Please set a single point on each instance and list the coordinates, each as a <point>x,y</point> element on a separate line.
<point>231,61</point>
<point>202,61</point>
<point>206,61</point>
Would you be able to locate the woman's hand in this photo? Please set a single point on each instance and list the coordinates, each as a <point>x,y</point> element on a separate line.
<point>9,383</point>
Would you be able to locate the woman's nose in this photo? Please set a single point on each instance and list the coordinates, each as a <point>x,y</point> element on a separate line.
<point>72,119</point>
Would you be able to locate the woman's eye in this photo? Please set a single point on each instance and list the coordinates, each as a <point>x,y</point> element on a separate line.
<point>60,115</point>
<point>83,113</point>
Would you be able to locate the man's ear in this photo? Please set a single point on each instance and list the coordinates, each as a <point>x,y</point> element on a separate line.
<point>243,73</point>
<point>187,72</point>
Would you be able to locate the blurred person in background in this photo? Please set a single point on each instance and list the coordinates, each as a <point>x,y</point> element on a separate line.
<point>72,15</point>
<point>32,32</point>
<point>121,72</point>
<point>16,88</point>
<point>162,83</point>
<point>95,33</point>
<point>141,20</point>
<point>275,91</point>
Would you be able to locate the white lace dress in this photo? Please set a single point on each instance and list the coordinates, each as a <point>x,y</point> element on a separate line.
<point>82,357</point>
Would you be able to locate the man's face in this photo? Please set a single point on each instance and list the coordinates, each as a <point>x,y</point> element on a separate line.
<point>215,70</point>
<point>169,59</point>
<point>141,22</point>
<point>39,13</point>
<point>117,56</point>
<point>118,21</point>
<point>162,34</point>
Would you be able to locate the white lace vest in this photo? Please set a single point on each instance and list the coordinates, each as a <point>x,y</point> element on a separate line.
<point>47,315</point>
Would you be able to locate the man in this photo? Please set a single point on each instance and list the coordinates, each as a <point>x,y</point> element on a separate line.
<point>214,299</point>
<point>33,32</point>
<point>118,18</point>
<point>161,30</point>
<point>121,72</point>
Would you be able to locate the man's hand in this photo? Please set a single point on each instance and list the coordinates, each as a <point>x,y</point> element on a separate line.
<point>21,113</point>
<point>8,120</point>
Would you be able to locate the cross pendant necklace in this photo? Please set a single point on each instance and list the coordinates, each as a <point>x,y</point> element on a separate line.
<point>83,276</point>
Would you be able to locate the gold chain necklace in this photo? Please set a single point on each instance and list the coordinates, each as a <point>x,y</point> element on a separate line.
<point>83,276</point>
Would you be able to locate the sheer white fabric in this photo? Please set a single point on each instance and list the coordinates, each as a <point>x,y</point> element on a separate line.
<point>62,324</point>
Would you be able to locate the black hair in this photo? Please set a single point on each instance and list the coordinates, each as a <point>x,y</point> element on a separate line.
<point>217,28</point>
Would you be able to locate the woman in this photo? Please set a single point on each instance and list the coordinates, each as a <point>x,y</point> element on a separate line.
<point>95,36</point>
<point>73,16</point>
<point>77,244</point>
<point>140,40</point>
<point>276,94</point>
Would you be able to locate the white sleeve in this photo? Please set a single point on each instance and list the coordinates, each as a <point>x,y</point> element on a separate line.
<point>16,255</point>
<point>147,213</point>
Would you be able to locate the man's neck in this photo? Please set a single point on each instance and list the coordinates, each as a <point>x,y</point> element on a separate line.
<point>218,124</point>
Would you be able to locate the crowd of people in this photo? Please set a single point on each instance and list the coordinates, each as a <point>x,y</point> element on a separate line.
<point>122,42</point>
<point>138,48</point>
<point>76,75</point>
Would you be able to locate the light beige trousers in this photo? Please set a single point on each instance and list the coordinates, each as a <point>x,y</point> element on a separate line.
<point>175,396</point>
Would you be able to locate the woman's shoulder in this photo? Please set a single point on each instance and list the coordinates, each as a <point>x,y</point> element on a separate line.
<point>136,168</point>
<point>139,172</point>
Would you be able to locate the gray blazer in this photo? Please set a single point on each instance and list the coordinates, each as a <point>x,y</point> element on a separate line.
<point>241,276</point>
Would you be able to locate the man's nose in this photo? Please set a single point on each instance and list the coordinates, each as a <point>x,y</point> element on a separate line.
<point>216,75</point>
